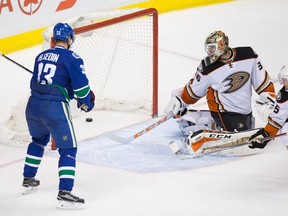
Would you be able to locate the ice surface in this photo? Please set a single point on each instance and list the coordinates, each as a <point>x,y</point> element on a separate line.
<point>143,178</point>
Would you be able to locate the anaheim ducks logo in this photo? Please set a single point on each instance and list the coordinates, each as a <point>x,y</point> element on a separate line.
<point>235,81</point>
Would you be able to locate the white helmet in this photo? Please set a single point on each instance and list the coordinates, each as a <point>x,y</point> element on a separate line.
<point>283,74</point>
<point>216,44</point>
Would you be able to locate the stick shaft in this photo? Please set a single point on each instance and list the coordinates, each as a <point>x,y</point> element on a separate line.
<point>11,60</point>
<point>165,118</point>
<point>120,139</point>
<point>273,137</point>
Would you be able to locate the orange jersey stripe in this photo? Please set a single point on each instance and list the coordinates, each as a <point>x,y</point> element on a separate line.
<point>214,103</point>
<point>272,127</point>
<point>189,97</point>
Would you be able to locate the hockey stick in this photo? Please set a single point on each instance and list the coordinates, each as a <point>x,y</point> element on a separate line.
<point>124,140</point>
<point>11,60</point>
<point>239,142</point>
<point>214,149</point>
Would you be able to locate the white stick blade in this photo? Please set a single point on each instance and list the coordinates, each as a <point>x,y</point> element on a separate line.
<point>117,138</point>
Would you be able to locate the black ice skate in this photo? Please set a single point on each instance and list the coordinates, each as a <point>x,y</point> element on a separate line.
<point>30,185</point>
<point>66,200</point>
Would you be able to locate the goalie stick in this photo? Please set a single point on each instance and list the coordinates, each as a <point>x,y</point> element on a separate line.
<point>217,148</point>
<point>125,140</point>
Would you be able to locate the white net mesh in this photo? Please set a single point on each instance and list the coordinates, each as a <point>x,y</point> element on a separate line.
<point>14,130</point>
<point>118,59</point>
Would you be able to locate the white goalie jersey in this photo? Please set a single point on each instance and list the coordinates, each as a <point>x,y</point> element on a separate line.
<point>227,84</point>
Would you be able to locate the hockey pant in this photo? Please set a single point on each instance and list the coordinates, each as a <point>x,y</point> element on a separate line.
<point>229,121</point>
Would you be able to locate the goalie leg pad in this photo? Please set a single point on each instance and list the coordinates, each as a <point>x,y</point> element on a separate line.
<point>207,142</point>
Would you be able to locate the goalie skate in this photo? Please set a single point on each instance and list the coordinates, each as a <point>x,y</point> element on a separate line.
<point>66,200</point>
<point>30,185</point>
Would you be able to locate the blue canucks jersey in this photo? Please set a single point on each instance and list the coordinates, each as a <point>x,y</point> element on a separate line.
<point>60,70</point>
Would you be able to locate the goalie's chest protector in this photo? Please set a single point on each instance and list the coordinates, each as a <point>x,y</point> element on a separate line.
<point>228,84</point>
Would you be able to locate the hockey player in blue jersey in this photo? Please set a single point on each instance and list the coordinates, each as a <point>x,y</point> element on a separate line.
<point>58,76</point>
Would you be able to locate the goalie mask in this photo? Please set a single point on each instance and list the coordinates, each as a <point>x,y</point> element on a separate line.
<point>216,44</point>
<point>283,74</point>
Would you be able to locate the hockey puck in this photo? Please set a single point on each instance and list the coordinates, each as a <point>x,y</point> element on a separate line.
<point>89,119</point>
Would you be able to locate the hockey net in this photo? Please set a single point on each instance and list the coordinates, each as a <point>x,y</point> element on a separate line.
<point>119,50</point>
<point>120,53</point>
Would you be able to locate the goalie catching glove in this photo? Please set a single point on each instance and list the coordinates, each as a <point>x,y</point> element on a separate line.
<point>176,105</point>
<point>87,104</point>
<point>257,141</point>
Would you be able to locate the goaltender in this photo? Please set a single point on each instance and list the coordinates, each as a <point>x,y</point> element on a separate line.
<point>226,77</point>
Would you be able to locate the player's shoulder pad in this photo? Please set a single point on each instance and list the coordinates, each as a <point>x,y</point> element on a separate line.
<point>282,96</point>
<point>205,70</point>
<point>244,53</point>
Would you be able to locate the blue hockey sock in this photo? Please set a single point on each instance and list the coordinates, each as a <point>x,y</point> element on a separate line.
<point>66,166</point>
<point>33,159</point>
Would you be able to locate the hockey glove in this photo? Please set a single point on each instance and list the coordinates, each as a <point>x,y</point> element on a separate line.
<point>265,105</point>
<point>256,139</point>
<point>89,106</point>
<point>176,105</point>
